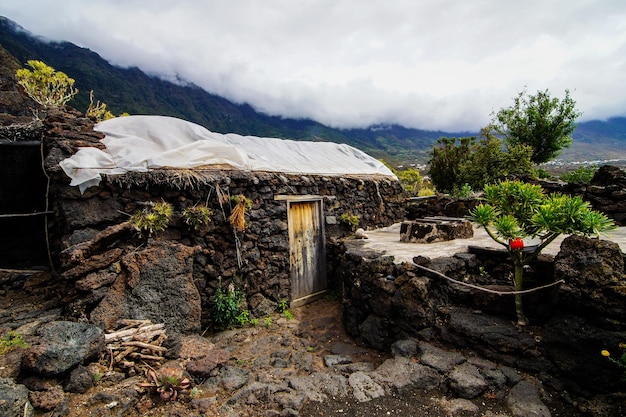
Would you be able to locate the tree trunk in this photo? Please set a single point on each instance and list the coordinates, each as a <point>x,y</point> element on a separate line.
<point>519,310</point>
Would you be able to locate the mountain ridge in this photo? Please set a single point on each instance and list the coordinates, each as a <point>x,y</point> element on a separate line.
<point>133,91</point>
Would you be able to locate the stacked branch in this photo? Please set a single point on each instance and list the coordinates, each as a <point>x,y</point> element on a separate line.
<point>135,346</point>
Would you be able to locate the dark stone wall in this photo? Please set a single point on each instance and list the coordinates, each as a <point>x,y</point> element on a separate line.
<point>569,324</point>
<point>256,260</point>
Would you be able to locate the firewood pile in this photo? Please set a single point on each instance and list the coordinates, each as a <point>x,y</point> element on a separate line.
<point>136,346</point>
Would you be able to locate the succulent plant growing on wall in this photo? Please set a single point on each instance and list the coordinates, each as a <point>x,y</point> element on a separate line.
<point>197,216</point>
<point>152,219</point>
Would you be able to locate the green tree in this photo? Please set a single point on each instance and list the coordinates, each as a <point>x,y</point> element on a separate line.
<point>446,161</point>
<point>540,121</point>
<point>489,160</point>
<point>476,161</point>
<point>46,86</point>
<point>515,210</point>
<point>411,180</point>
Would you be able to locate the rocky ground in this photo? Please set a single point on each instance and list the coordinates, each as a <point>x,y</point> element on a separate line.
<point>301,366</point>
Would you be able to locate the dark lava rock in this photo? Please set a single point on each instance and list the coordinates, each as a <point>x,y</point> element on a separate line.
<point>63,345</point>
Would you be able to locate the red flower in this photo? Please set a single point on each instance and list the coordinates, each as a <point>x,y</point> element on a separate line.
<point>516,244</point>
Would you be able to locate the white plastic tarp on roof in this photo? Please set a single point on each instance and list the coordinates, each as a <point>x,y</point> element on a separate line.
<point>143,143</point>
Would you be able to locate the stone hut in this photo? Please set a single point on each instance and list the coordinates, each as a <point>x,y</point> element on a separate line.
<point>278,254</point>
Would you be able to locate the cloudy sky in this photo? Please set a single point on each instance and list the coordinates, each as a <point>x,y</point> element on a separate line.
<point>430,64</point>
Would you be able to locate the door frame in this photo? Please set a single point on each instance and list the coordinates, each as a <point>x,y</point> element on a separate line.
<point>319,200</point>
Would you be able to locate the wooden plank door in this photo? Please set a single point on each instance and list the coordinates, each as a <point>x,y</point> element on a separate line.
<point>307,248</point>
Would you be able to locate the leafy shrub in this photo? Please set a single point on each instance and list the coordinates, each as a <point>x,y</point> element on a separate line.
<point>46,86</point>
<point>514,210</point>
<point>227,307</point>
<point>581,175</point>
<point>98,111</point>
<point>243,318</point>
<point>350,220</point>
<point>410,179</point>
<point>543,174</point>
<point>447,157</point>
<point>424,192</point>
<point>282,306</point>
<point>464,191</point>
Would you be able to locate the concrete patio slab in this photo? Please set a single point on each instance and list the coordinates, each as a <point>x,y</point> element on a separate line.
<point>387,241</point>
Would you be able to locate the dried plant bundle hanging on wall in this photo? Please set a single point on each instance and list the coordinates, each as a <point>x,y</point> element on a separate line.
<point>237,217</point>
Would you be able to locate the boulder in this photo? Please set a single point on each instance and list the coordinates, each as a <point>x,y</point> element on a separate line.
<point>364,388</point>
<point>319,386</point>
<point>48,399</point>
<point>63,345</point>
<point>376,332</point>
<point>261,306</point>
<point>80,380</point>
<point>609,175</point>
<point>574,343</point>
<point>486,333</point>
<point>439,359</point>
<point>524,401</point>
<point>404,375</point>
<point>466,381</point>
<point>593,271</point>
<point>230,378</point>
<point>155,284</point>
<point>406,348</point>
<point>14,399</point>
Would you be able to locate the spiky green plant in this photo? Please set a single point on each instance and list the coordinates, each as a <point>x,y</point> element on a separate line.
<point>515,210</point>
<point>197,216</point>
<point>152,219</point>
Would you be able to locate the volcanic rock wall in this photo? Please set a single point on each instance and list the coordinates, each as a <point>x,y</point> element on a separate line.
<point>571,323</point>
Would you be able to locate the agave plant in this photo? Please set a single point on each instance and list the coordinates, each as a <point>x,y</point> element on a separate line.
<point>169,381</point>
